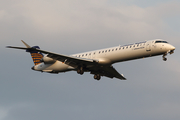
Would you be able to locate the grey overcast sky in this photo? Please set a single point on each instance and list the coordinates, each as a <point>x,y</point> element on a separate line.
<point>152,91</point>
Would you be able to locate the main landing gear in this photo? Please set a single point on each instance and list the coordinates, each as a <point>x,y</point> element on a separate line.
<point>80,71</point>
<point>97,77</point>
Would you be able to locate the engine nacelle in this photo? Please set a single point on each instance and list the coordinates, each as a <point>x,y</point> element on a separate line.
<point>48,60</point>
<point>104,61</point>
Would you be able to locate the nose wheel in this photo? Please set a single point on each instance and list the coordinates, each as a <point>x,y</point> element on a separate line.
<point>165,59</point>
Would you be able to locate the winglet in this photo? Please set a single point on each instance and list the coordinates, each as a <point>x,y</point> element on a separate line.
<point>26,44</point>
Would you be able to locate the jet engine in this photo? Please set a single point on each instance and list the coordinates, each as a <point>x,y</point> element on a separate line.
<point>47,60</point>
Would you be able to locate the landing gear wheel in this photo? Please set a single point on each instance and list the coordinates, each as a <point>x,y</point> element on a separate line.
<point>165,59</point>
<point>97,77</point>
<point>80,71</point>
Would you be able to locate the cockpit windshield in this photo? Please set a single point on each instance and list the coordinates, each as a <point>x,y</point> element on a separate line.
<point>158,41</point>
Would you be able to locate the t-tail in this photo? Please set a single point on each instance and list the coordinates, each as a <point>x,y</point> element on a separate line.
<point>36,56</point>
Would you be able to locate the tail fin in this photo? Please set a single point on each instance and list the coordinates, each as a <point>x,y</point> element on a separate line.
<point>36,56</point>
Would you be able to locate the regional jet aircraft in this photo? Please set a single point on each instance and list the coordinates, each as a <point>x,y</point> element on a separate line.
<point>97,62</point>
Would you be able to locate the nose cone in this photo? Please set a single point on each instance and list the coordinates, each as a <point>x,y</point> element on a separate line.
<point>170,47</point>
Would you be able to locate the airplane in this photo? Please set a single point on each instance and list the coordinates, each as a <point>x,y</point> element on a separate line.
<point>97,62</point>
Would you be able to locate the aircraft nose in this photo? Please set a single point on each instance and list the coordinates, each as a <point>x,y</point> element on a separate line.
<point>173,48</point>
<point>170,47</point>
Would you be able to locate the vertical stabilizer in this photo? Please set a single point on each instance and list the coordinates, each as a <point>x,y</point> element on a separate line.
<point>36,56</point>
<point>26,44</point>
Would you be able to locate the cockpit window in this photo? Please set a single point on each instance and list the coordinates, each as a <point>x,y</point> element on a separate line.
<point>161,42</point>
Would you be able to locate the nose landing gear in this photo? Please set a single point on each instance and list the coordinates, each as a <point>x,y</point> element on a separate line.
<point>165,59</point>
<point>165,54</point>
<point>171,52</point>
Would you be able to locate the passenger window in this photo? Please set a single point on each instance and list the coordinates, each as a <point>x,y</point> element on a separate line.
<point>127,47</point>
<point>112,49</point>
<point>99,52</point>
<point>116,48</point>
<point>109,50</point>
<point>106,51</point>
<point>102,51</point>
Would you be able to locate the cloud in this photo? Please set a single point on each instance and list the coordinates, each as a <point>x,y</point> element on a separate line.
<point>3,113</point>
<point>86,21</point>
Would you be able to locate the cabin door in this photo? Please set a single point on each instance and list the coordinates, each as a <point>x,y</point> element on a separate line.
<point>148,46</point>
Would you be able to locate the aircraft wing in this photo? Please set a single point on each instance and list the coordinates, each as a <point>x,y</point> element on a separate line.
<point>91,64</point>
<point>69,60</point>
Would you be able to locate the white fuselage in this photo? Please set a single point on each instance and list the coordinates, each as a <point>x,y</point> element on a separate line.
<point>112,55</point>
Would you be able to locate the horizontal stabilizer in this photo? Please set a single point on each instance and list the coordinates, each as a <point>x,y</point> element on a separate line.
<point>17,47</point>
<point>36,55</point>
